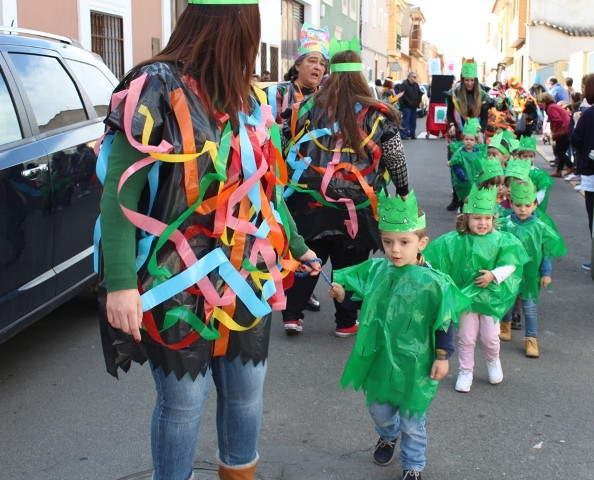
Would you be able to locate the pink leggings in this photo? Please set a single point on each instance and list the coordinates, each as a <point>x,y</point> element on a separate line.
<point>471,324</point>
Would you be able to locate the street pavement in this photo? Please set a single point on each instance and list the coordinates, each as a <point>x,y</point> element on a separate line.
<point>64,418</point>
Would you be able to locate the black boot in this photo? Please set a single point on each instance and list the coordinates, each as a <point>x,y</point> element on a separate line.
<point>453,206</point>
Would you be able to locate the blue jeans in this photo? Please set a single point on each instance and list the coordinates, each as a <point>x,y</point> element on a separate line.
<point>179,406</point>
<point>530,317</point>
<point>413,443</point>
<point>409,122</point>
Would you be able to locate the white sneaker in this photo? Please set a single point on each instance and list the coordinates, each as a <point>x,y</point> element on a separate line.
<point>571,178</point>
<point>578,187</point>
<point>464,381</point>
<point>494,370</point>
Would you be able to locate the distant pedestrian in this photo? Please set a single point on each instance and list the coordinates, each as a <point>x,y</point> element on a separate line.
<point>408,311</point>
<point>409,102</point>
<point>559,126</point>
<point>557,91</point>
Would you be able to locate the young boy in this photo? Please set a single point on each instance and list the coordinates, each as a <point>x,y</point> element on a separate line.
<point>542,243</point>
<point>405,332</point>
<point>499,148</point>
<point>465,163</point>
<point>541,180</point>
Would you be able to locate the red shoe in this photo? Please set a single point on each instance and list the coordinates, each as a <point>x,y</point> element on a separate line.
<point>347,332</point>
<point>293,326</point>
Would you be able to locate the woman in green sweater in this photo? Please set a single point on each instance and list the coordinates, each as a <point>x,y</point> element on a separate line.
<point>197,244</point>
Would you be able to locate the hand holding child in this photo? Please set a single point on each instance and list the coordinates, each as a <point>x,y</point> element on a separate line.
<point>485,279</point>
<point>337,292</point>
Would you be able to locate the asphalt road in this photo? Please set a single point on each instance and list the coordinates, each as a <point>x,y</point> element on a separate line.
<point>63,417</point>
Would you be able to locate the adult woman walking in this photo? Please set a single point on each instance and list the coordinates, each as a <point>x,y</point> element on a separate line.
<point>582,139</point>
<point>559,123</point>
<point>342,142</point>
<point>466,100</point>
<point>306,74</point>
<point>194,234</point>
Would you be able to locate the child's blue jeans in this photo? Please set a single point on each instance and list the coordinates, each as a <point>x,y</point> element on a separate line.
<point>413,438</point>
<point>530,317</point>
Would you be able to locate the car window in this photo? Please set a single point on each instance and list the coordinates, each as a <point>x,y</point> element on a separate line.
<point>52,94</point>
<point>10,129</point>
<point>96,84</point>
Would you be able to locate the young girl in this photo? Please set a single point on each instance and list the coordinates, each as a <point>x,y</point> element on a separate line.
<point>542,242</point>
<point>465,162</point>
<point>487,266</point>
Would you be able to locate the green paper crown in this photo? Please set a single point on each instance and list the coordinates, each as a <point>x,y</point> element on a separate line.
<point>471,126</point>
<point>223,2</point>
<point>397,215</point>
<point>469,68</point>
<point>527,143</point>
<point>498,142</point>
<point>523,192</point>
<point>481,202</point>
<point>490,168</point>
<point>517,168</point>
<point>337,46</point>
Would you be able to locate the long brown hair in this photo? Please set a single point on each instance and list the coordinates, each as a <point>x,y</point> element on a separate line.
<point>338,97</point>
<point>218,46</point>
<point>477,99</point>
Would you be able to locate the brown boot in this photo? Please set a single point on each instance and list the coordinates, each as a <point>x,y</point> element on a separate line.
<point>240,472</point>
<point>531,347</point>
<point>505,331</point>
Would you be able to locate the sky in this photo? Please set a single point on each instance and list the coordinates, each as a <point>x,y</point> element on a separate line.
<point>456,27</point>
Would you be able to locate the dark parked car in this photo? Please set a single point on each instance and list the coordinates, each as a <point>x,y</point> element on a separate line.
<point>53,98</point>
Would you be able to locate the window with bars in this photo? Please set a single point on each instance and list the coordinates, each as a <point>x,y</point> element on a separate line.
<point>263,57</point>
<point>274,64</point>
<point>107,40</point>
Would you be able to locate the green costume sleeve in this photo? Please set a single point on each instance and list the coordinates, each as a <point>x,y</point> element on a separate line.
<point>542,181</point>
<point>462,256</point>
<point>402,309</point>
<point>119,235</point>
<point>541,241</point>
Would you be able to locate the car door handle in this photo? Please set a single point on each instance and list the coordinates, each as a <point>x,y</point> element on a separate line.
<point>35,171</point>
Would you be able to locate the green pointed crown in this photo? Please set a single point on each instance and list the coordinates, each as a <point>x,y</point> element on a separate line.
<point>522,192</point>
<point>498,142</point>
<point>490,168</point>
<point>471,126</point>
<point>518,168</point>
<point>337,46</point>
<point>223,2</point>
<point>481,202</point>
<point>469,68</point>
<point>397,215</point>
<point>527,143</point>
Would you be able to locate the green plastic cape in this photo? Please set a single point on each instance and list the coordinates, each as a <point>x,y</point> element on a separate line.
<point>542,181</point>
<point>462,256</point>
<point>402,309</point>
<point>471,164</point>
<point>541,241</point>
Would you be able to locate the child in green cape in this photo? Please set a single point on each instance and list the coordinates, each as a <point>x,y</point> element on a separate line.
<point>405,332</point>
<point>487,266</point>
<point>542,243</point>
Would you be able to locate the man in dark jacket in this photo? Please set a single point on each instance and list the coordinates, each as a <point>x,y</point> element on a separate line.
<point>408,105</point>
